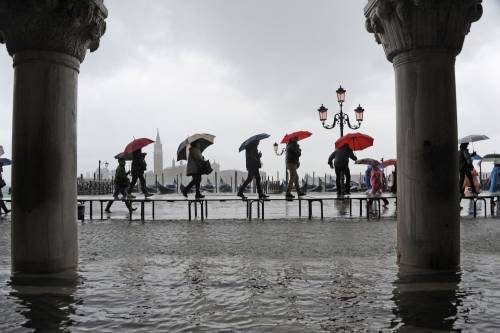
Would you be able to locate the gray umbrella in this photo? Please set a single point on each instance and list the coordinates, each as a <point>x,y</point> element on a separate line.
<point>368,161</point>
<point>255,138</point>
<point>491,157</point>
<point>473,138</point>
<point>204,140</point>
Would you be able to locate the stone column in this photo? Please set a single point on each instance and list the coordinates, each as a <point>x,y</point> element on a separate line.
<point>48,39</point>
<point>422,38</point>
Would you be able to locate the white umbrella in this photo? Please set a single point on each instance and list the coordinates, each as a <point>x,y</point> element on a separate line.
<point>473,138</point>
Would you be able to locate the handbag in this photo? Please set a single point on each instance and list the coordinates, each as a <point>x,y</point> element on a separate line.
<point>206,168</point>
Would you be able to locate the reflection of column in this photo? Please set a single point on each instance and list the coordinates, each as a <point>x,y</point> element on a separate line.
<point>48,40</point>
<point>426,300</point>
<point>421,38</point>
<point>48,303</point>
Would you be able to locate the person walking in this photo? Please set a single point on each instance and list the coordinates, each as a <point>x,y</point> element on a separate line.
<point>465,168</point>
<point>2,185</point>
<point>394,187</point>
<point>194,169</point>
<point>121,183</point>
<point>293,153</point>
<point>368,173</point>
<point>495,179</point>
<point>339,160</point>
<point>376,182</point>
<point>470,187</point>
<point>253,165</point>
<point>138,168</point>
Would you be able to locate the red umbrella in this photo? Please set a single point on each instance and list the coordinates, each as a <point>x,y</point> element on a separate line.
<point>300,135</point>
<point>387,163</point>
<point>137,144</point>
<point>357,141</point>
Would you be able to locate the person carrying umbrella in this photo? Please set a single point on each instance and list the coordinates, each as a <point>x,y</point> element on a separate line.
<point>339,160</point>
<point>293,153</point>
<point>2,185</point>
<point>138,168</point>
<point>253,165</point>
<point>465,167</point>
<point>194,169</point>
<point>121,186</point>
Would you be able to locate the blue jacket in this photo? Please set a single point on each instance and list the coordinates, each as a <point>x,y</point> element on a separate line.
<point>495,179</point>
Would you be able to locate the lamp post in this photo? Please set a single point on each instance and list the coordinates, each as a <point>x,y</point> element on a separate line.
<point>341,118</point>
<point>283,150</point>
<point>99,172</point>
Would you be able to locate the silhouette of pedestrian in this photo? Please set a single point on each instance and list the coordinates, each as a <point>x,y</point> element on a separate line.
<point>339,160</point>
<point>293,153</point>
<point>121,186</point>
<point>465,167</point>
<point>194,168</point>
<point>2,185</point>
<point>138,168</point>
<point>253,165</point>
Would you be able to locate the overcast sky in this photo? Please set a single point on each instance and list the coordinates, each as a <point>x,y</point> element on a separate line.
<point>235,68</point>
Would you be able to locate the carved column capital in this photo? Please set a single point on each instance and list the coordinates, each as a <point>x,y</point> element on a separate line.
<point>65,26</point>
<point>405,25</point>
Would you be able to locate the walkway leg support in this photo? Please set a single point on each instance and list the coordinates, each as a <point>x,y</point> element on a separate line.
<point>422,39</point>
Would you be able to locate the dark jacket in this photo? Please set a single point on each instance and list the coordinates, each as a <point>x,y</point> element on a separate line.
<point>253,158</point>
<point>194,162</point>
<point>293,152</point>
<point>138,166</point>
<point>464,159</point>
<point>342,156</point>
<point>121,179</point>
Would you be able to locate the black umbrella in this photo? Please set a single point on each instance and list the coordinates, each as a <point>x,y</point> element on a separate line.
<point>253,139</point>
<point>204,140</point>
<point>126,157</point>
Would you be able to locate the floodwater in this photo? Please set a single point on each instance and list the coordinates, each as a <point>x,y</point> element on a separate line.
<point>278,275</point>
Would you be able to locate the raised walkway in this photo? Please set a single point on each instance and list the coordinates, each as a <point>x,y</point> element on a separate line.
<point>199,208</point>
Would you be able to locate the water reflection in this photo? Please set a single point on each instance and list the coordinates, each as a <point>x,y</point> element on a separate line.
<point>427,300</point>
<point>47,303</point>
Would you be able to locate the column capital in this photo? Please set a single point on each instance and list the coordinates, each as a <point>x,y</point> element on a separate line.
<point>405,25</point>
<point>65,26</point>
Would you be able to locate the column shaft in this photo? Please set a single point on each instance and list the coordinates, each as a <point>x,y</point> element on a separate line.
<point>428,211</point>
<point>44,230</point>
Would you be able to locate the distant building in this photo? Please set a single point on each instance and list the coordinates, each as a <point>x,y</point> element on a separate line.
<point>158,156</point>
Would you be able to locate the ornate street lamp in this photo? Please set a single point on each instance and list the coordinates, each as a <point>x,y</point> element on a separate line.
<point>341,118</point>
<point>276,148</point>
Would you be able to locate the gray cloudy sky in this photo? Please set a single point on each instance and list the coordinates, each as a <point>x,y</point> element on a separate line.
<point>239,67</point>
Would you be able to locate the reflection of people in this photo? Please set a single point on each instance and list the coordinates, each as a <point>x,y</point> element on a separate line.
<point>293,153</point>
<point>340,160</point>
<point>426,301</point>
<point>253,165</point>
<point>2,185</point>
<point>465,167</point>
<point>121,185</point>
<point>138,168</point>
<point>194,169</point>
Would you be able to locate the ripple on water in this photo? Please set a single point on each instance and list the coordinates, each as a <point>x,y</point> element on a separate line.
<point>279,276</point>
